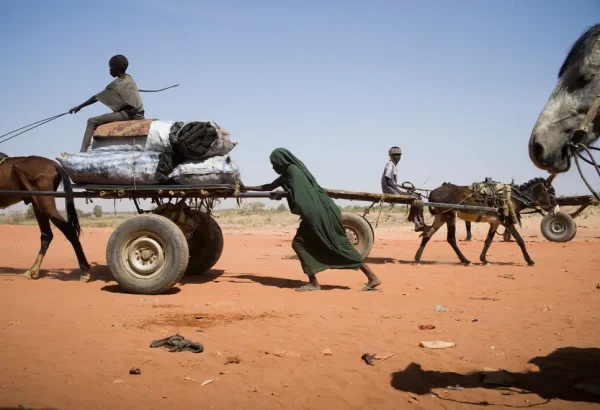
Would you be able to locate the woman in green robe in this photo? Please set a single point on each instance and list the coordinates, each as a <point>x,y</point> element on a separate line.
<point>320,242</point>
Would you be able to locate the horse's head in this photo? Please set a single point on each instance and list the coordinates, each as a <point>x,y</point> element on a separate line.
<point>540,191</point>
<point>559,122</point>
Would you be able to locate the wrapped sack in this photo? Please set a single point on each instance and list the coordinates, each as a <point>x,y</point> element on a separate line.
<point>200,140</point>
<point>157,140</point>
<point>212,171</point>
<point>112,167</point>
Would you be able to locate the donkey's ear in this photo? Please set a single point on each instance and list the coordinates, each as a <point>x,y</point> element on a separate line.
<point>548,181</point>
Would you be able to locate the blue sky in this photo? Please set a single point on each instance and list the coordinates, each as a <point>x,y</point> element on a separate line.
<point>458,85</point>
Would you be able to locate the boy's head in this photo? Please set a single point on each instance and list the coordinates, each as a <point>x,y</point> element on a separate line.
<point>118,65</point>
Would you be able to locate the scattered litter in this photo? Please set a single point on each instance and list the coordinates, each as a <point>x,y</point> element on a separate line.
<point>233,360</point>
<point>368,358</point>
<point>436,344</point>
<point>205,382</point>
<point>598,286</point>
<point>418,288</point>
<point>118,324</point>
<point>457,388</point>
<point>135,370</point>
<point>463,359</point>
<point>117,381</point>
<point>546,308</point>
<point>199,331</point>
<point>413,400</point>
<point>426,327</point>
<point>495,377</point>
<point>282,353</point>
<point>224,373</point>
<point>486,298</point>
<point>475,320</point>
<point>178,343</point>
<point>143,300</point>
<point>406,294</point>
<point>440,308</point>
<point>327,352</point>
<point>508,276</point>
<point>383,356</point>
<point>199,317</point>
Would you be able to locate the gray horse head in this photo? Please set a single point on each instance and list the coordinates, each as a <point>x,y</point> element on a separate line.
<point>577,89</point>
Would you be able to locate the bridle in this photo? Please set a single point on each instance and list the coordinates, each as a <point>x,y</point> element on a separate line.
<point>530,202</point>
<point>575,148</point>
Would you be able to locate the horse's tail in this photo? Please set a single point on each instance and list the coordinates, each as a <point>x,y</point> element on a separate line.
<point>72,217</point>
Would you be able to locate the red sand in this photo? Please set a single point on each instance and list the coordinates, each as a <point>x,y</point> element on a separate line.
<point>70,345</point>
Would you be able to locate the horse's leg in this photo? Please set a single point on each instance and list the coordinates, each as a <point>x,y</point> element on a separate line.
<point>468,226</point>
<point>46,238</point>
<point>513,230</point>
<point>71,236</point>
<point>488,242</point>
<point>451,238</point>
<point>47,206</point>
<point>428,232</point>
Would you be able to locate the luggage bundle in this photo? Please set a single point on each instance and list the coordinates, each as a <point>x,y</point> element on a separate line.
<point>150,152</point>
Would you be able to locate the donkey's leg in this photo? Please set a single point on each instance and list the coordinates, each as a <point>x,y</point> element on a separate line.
<point>46,238</point>
<point>488,242</point>
<point>468,226</point>
<point>513,230</point>
<point>428,232</point>
<point>451,238</point>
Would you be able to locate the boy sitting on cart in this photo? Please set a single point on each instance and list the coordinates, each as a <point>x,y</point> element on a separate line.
<point>121,96</point>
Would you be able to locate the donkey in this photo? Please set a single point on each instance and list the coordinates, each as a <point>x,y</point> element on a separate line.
<point>537,189</point>
<point>570,115</point>
<point>41,174</point>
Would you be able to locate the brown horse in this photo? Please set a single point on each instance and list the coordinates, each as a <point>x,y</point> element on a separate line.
<point>538,190</point>
<point>41,174</point>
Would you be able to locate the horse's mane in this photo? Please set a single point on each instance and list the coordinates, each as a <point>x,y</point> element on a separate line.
<point>580,50</point>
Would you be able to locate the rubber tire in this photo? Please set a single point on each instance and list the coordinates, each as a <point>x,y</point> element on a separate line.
<point>363,230</point>
<point>206,247</point>
<point>175,249</point>
<point>564,218</point>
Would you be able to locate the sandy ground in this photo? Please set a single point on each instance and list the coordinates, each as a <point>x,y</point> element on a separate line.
<point>70,345</point>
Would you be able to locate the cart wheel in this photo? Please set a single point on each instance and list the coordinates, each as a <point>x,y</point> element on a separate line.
<point>147,254</point>
<point>559,227</point>
<point>206,246</point>
<point>359,232</point>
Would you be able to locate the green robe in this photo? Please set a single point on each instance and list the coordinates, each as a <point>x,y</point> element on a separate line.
<point>320,242</point>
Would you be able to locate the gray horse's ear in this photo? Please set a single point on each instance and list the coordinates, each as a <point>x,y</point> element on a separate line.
<point>548,181</point>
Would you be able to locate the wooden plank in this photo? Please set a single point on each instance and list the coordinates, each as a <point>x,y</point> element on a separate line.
<point>370,197</point>
<point>576,200</point>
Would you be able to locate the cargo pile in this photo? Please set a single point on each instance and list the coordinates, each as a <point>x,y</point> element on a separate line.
<point>151,152</point>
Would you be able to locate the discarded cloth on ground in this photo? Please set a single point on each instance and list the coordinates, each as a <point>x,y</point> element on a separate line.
<point>178,343</point>
<point>112,167</point>
<point>219,170</point>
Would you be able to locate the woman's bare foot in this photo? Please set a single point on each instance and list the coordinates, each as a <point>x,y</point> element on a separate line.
<point>373,279</point>
<point>311,286</point>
